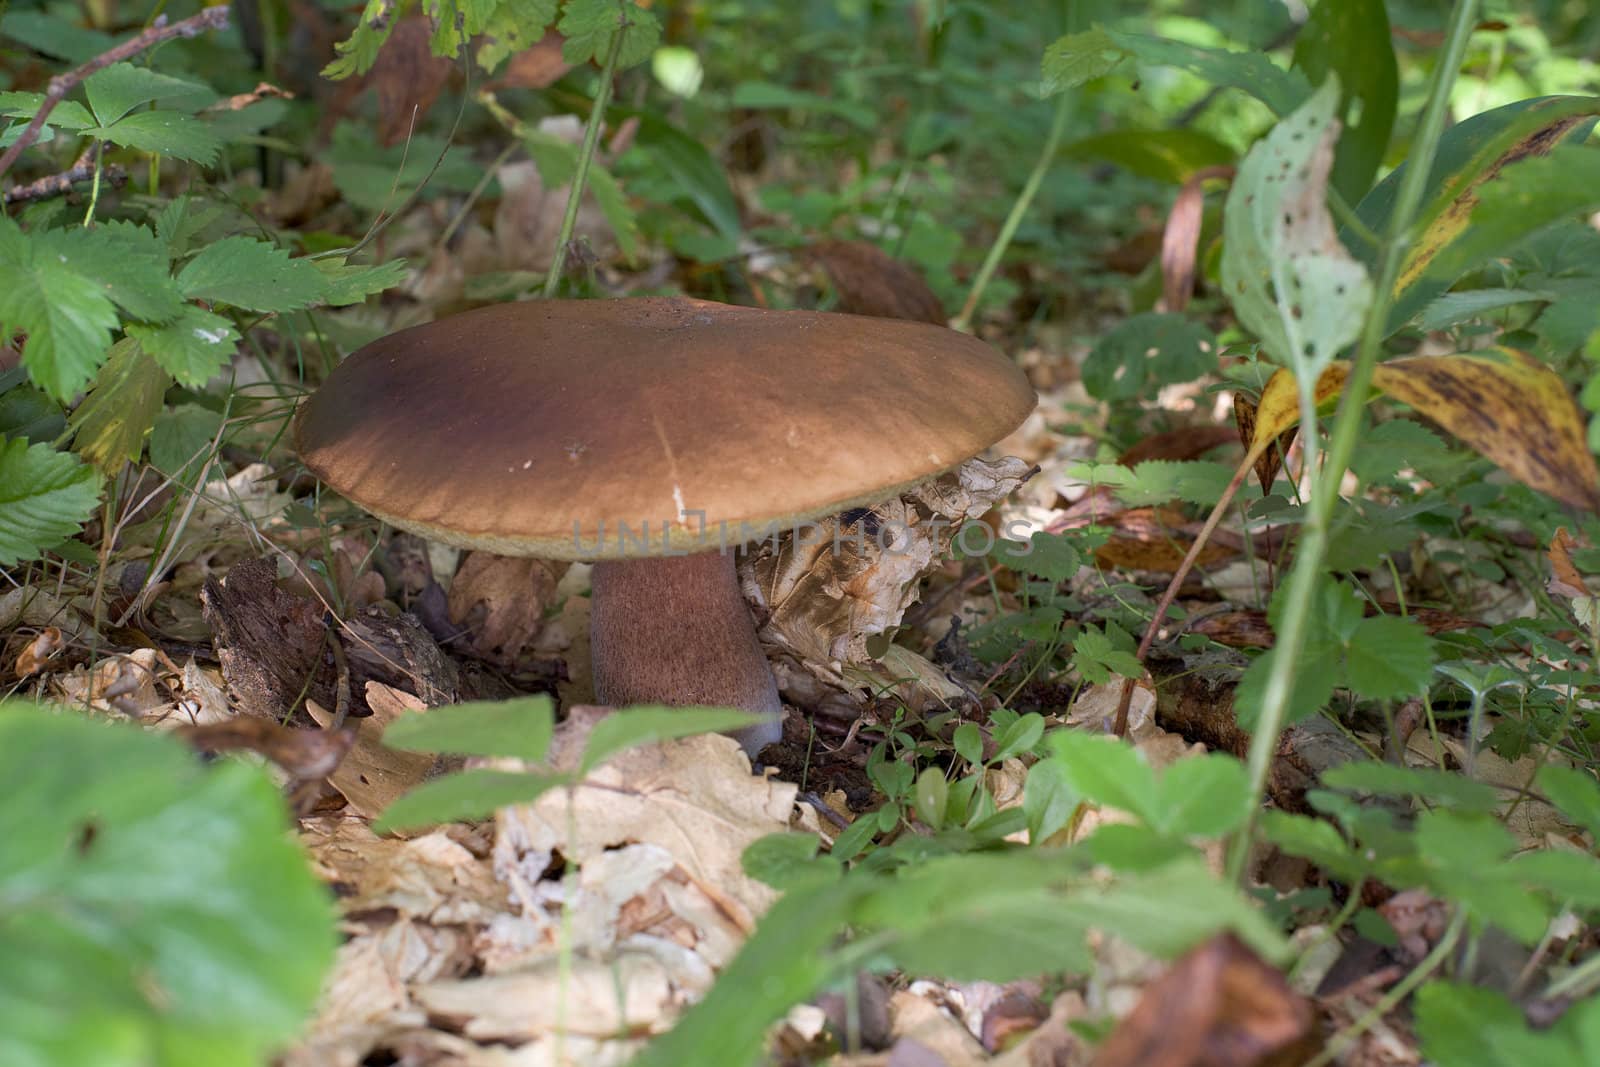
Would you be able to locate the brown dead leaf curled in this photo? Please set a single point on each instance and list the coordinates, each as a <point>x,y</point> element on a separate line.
<point>1564,577</point>
<point>538,66</point>
<point>372,776</point>
<point>502,600</point>
<point>39,652</point>
<point>1180,238</point>
<point>303,754</point>
<point>828,587</point>
<point>869,281</point>
<point>408,78</point>
<point>1220,1005</point>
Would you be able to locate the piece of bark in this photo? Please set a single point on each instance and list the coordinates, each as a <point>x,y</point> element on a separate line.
<point>275,648</point>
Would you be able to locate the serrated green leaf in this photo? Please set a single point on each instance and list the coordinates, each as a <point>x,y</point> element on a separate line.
<point>514,26</point>
<point>193,347</point>
<point>1253,72</point>
<point>1465,857</point>
<point>181,443</point>
<point>519,728</point>
<point>1202,796</point>
<point>253,275</point>
<point>351,283</point>
<point>465,795</point>
<point>1316,674</point>
<point>624,223</point>
<point>127,260</point>
<point>1574,792</point>
<point>1571,878</point>
<point>152,900</point>
<point>1174,908</point>
<point>1145,352</point>
<point>1052,557</point>
<point>108,428</point>
<point>1443,787</point>
<point>118,89</point>
<point>45,497</point>
<point>1314,840</point>
<point>68,114</point>
<point>25,412</point>
<point>1106,771</point>
<point>1389,658</point>
<point>1079,58</point>
<point>1160,481</point>
<point>1096,655</point>
<point>1288,277</point>
<point>628,728</point>
<point>168,133</point>
<point>68,318</point>
<point>590,25</point>
<point>359,51</point>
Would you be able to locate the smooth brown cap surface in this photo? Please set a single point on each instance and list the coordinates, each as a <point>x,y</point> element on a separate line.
<point>537,428</point>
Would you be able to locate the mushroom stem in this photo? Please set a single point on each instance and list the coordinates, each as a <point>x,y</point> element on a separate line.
<point>676,630</point>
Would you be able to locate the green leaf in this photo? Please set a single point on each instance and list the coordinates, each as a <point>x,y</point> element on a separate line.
<point>699,177</point>
<point>631,727</point>
<point>519,728</point>
<point>181,444</point>
<point>1106,771</point>
<point>359,51</point>
<point>108,428</point>
<point>1145,352</point>
<point>1171,156</point>
<point>68,318</point>
<point>1288,277</point>
<point>1159,481</point>
<point>1019,737</point>
<point>1253,72</point>
<point>1077,59</point>
<point>608,194</point>
<point>466,795</point>
<point>155,904</point>
<point>45,497</point>
<point>1443,787</point>
<point>764,96</point>
<point>1389,658</point>
<point>193,347</point>
<point>67,115</point>
<point>1471,154</point>
<point>968,742</point>
<point>128,261</point>
<point>1575,792</point>
<point>590,25</point>
<point>1202,796</point>
<point>253,275</point>
<point>1315,840</point>
<point>930,796</point>
<point>1465,856</point>
<point>25,412</point>
<point>1174,908</point>
<point>57,36</point>
<point>1454,308</point>
<point>1047,800</point>
<point>168,133</point>
<point>1096,656</point>
<point>1571,878</point>
<point>789,861</point>
<point>1350,39</point>
<point>121,87</point>
<point>351,283</point>
<point>1053,557</point>
<point>514,26</point>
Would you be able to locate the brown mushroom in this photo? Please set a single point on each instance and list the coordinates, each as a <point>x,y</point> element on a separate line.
<point>654,435</point>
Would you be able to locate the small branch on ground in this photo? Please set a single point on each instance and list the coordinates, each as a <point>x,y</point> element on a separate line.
<point>62,183</point>
<point>212,18</point>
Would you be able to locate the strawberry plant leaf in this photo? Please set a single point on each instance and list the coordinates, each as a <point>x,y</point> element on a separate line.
<point>118,89</point>
<point>253,275</point>
<point>519,728</point>
<point>1389,658</point>
<point>168,133</point>
<point>45,497</point>
<point>589,26</point>
<point>68,318</point>
<point>109,427</point>
<point>193,347</point>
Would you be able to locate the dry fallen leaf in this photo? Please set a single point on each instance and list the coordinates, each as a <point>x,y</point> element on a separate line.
<point>868,281</point>
<point>1219,1005</point>
<point>502,600</point>
<point>408,78</point>
<point>372,775</point>
<point>38,652</point>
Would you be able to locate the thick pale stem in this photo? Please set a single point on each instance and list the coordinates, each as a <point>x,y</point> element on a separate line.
<point>676,630</point>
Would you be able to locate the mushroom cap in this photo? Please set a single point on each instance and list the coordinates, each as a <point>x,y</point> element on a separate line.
<point>539,428</point>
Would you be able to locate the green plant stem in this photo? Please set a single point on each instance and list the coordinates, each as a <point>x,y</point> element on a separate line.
<point>1401,989</point>
<point>1313,545</point>
<point>1019,209</point>
<point>591,140</point>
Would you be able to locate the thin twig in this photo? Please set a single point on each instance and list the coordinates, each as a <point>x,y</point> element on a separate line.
<point>62,183</point>
<point>212,18</point>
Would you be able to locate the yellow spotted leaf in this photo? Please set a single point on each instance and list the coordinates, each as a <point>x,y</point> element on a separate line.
<point>1508,407</point>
